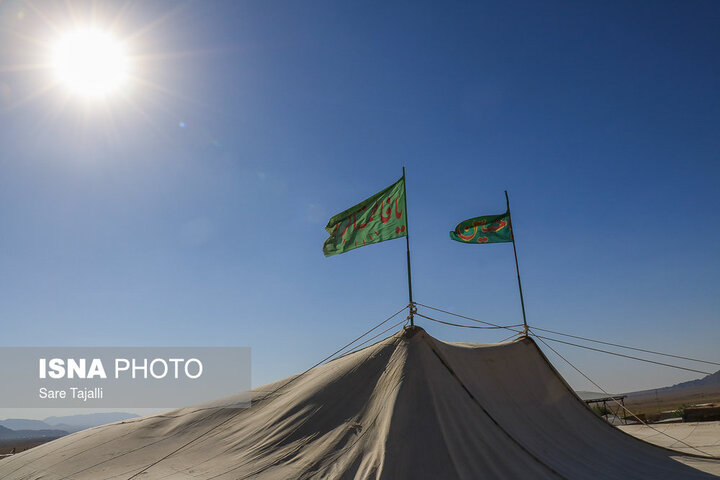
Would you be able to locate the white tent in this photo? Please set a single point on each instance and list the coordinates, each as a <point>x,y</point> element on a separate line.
<point>408,407</point>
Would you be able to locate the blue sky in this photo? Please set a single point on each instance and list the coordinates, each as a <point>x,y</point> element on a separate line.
<point>189,208</point>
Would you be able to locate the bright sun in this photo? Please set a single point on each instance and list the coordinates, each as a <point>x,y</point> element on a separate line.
<point>90,63</point>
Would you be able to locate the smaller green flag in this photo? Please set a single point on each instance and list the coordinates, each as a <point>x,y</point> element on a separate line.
<point>376,219</point>
<point>487,229</point>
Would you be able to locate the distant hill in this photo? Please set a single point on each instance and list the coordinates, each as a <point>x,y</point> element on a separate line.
<point>694,392</point>
<point>75,423</point>
<point>67,424</point>
<point>10,434</point>
<point>25,424</point>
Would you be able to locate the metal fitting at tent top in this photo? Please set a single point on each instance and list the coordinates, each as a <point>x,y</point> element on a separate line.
<point>413,311</point>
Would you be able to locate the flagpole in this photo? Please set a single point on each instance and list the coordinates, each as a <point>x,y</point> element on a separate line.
<point>517,269</point>
<point>407,244</point>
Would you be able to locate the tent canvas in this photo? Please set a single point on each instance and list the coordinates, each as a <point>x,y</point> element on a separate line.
<point>409,406</point>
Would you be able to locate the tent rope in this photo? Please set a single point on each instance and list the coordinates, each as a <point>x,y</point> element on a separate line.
<point>704,454</point>
<point>460,316</point>
<point>511,336</point>
<point>506,327</point>
<point>359,347</point>
<point>627,347</point>
<point>623,355</point>
<point>575,344</point>
<point>329,357</point>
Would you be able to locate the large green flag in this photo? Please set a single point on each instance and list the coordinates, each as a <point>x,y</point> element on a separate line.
<point>487,229</point>
<point>379,218</point>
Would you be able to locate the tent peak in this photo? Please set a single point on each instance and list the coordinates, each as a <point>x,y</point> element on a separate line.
<point>412,330</point>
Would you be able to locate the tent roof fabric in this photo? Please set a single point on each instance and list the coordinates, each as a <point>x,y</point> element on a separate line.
<point>408,407</point>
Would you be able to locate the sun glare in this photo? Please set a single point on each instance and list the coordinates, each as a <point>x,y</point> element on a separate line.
<point>90,63</point>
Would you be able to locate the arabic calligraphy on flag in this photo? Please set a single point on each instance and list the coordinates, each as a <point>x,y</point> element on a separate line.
<point>486,229</point>
<point>376,219</point>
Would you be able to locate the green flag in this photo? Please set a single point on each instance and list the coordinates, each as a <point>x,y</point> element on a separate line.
<point>379,218</point>
<point>487,229</point>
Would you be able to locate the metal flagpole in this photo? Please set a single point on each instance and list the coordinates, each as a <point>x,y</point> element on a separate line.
<point>517,269</point>
<point>407,243</point>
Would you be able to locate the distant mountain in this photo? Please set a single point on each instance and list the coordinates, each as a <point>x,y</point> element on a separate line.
<point>75,423</point>
<point>694,392</point>
<point>24,424</point>
<point>70,423</point>
<point>9,434</point>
